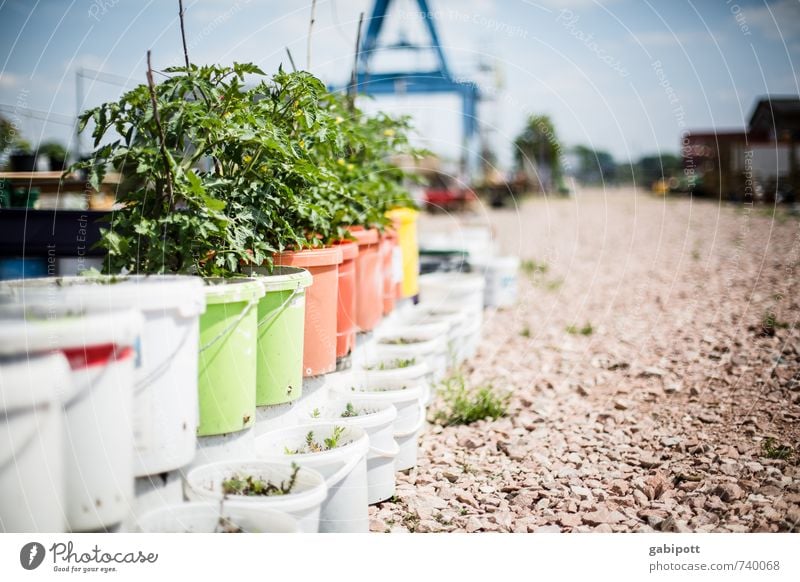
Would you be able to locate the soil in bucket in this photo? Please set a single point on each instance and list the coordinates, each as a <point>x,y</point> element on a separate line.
<point>97,446</point>
<point>208,517</point>
<point>165,393</point>
<point>282,486</point>
<point>227,370</point>
<point>31,450</point>
<point>281,333</point>
<point>339,453</point>
<point>346,312</point>
<point>369,278</point>
<point>319,349</point>
<point>377,419</point>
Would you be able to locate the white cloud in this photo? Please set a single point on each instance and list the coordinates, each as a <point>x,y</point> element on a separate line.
<point>9,81</point>
<point>780,20</point>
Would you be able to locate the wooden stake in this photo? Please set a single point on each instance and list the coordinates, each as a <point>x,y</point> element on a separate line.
<point>183,32</point>
<point>162,139</point>
<point>310,29</point>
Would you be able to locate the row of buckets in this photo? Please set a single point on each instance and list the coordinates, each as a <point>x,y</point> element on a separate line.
<point>108,383</point>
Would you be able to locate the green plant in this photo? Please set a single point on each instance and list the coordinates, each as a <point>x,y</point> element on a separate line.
<point>396,364</point>
<point>253,486</point>
<point>464,405</point>
<point>349,411</point>
<point>770,322</point>
<point>401,341</point>
<point>53,150</point>
<point>7,133</point>
<point>587,329</point>
<point>772,449</point>
<point>532,267</point>
<point>311,445</point>
<point>525,332</point>
<point>315,413</point>
<point>21,147</point>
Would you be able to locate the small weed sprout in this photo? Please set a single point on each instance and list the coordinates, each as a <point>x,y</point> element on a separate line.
<point>526,332</point>
<point>587,329</point>
<point>772,449</point>
<point>349,411</point>
<point>312,446</point>
<point>464,405</point>
<point>393,364</point>
<point>315,413</point>
<point>252,486</point>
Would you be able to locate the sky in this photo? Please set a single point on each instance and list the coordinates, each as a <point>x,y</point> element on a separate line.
<point>625,76</point>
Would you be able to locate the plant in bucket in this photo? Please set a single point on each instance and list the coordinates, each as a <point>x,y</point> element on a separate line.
<point>255,484</point>
<point>339,453</point>
<point>378,422</point>
<point>408,397</point>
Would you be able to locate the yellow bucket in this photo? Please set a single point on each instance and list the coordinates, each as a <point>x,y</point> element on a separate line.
<point>405,221</point>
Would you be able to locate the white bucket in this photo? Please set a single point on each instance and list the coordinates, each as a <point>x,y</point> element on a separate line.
<point>457,321</point>
<point>459,291</point>
<point>378,423</point>
<point>154,492</point>
<point>208,517</point>
<point>165,397</point>
<point>303,502</point>
<point>344,468</point>
<point>98,405</point>
<point>501,275</point>
<point>379,370</point>
<point>430,346</point>
<point>408,398</point>
<point>31,447</point>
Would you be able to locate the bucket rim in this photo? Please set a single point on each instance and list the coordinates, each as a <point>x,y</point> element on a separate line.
<point>220,290</point>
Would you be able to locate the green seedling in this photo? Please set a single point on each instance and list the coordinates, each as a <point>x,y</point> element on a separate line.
<point>312,446</point>
<point>393,364</point>
<point>772,449</point>
<point>253,486</point>
<point>401,341</point>
<point>464,405</point>
<point>526,332</point>
<point>532,267</point>
<point>587,329</point>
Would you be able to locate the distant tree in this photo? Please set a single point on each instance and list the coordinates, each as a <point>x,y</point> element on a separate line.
<point>652,168</point>
<point>7,134</point>
<point>594,165</point>
<point>537,151</point>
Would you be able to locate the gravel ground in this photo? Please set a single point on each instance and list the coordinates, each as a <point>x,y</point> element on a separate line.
<point>660,418</point>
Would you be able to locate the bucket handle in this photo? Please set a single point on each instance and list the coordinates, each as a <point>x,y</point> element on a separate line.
<point>419,422</point>
<point>348,466</point>
<point>230,327</point>
<point>27,441</point>
<point>376,452</point>
<point>269,318</point>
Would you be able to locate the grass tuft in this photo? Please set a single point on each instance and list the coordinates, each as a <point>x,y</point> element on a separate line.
<point>587,329</point>
<point>464,405</point>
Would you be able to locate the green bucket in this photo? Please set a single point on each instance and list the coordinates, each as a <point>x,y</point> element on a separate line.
<point>227,363</point>
<point>281,327</point>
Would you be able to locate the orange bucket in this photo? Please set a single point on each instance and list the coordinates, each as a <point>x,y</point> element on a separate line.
<point>369,278</point>
<point>346,312</point>
<point>388,246</point>
<point>319,347</point>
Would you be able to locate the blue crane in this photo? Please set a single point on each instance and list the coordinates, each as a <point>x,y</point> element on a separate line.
<point>436,80</point>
